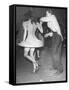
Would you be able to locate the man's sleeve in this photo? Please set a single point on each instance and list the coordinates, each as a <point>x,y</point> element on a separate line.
<point>44,19</point>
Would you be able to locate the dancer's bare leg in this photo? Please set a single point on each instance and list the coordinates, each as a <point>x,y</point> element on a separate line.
<point>31,57</point>
<point>38,54</point>
<point>26,51</point>
<point>35,64</point>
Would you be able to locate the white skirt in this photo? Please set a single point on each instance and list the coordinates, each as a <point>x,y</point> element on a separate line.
<point>32,42</point>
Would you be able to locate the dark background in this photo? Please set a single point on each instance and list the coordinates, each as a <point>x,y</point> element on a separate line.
<point>60,13</point>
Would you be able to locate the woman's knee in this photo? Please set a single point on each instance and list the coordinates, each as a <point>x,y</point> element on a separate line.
<point>32,51</point>
<point>26,50</point>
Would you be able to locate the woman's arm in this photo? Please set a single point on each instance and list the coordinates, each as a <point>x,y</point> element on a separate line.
<point>25,32</point>
<point>39,26</point>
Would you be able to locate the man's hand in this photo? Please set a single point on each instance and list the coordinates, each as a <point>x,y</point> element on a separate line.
<point>48,34</point>
<point>41,19</point>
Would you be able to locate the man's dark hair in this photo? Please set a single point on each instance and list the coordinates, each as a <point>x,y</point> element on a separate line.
<point>50,11</point>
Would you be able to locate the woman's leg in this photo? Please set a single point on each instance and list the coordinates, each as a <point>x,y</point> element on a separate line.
<point>31,57</point>
<point>38,53</point>
<point>35,64</point>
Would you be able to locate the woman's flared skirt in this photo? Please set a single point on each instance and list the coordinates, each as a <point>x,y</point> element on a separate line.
<point>32,43</point>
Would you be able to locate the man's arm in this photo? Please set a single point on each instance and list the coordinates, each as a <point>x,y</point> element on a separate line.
<point>44,19</point>
<point>48,34</point>
<point>60,35</point>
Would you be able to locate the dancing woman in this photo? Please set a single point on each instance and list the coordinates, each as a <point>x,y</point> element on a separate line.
<point>30,41</point>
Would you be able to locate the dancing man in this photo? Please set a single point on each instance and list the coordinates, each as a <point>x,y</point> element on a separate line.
<point>57,39</point>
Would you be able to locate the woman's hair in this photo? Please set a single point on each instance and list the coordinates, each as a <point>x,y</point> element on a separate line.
<point>34,19</point>
<point>38,19</point>
<point>27,15</point>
